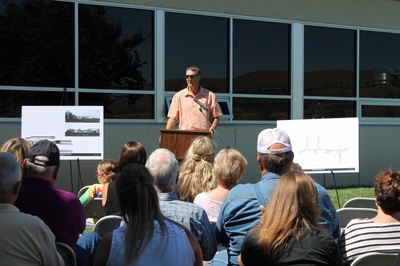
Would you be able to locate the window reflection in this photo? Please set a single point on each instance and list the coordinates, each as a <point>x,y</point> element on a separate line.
<point>329,62</point>
<point>329,109</point>
<point>196,40</point>
<point>380,111</point>
<point>261,61</point>
<point>115,48</point>
<point>379,65</point>
<point>37,43</point>
<point>121,106</point>
<point>12,101</point>
<point>261,109</point>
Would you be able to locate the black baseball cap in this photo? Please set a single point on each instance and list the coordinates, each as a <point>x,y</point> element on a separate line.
<point>45,148</point>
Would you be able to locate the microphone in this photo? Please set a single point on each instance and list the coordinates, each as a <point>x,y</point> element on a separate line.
<point>201,105</point>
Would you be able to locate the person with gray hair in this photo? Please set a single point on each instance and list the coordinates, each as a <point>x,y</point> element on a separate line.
<point>163,166</point>
<point>24,239</point>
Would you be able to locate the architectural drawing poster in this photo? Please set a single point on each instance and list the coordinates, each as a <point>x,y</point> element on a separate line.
<point>324,145</point>
<point>77,130</point>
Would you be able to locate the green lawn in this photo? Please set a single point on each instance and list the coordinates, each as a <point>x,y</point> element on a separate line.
<point>347,193</point>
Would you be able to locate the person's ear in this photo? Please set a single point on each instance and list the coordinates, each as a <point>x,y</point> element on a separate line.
<point>55,173</point>
<point>259,162</point>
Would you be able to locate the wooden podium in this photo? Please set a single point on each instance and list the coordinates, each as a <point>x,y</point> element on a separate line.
<point>178,141</point>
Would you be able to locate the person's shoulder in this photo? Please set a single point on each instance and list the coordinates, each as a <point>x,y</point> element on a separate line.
<point>242,189</point>
<point>30,222</point>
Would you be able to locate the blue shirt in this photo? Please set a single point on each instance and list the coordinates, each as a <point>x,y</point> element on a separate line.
<point>193,217</point>
<point>241,211</point>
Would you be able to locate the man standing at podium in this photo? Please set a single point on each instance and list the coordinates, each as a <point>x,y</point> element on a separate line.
<point>195,107</point>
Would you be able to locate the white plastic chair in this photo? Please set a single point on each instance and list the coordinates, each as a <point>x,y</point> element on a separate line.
<point>360,203</point>
<point>347,214</point>
<point>107,224</point>
<point>82,191</point>
<point>375,258</point>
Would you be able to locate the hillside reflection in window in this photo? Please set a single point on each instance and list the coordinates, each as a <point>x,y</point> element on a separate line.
<point>37,43</point>
<point>261,60</point>
<point>329,62</point>
<point>196,40</point>
<point>379,65</point>
<point>261,109</point>
<point>380,111</point>
<point>12,101</point>
<point>115,48</point>
<point>121,106</point>
<point>329,109</point>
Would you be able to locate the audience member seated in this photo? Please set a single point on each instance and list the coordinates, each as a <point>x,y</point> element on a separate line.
<point>381,233</point>
<point>163,165</point>
<point>195,172</point>
<point>240,210</point>
<point>147,238</point>
<point>288,233</point>
<point>107,171</point>
<point>59,209</point>
<point>18,147</point>
<point>229,168</point>
<point>132,152</point>
<point>24,239</point>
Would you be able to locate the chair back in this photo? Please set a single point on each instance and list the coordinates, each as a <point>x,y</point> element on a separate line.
<point>94,209</point>
<point>107,224</point>
<point>67,253</point>
<point>82,191</point>
<point>347,214</point>
<point>375,258</point>
<point>360,203</point>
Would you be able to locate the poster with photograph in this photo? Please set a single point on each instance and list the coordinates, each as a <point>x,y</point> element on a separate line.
<point>324,145</point>
<point>77,130</point>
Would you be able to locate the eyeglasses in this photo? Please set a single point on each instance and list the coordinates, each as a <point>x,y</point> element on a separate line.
<point>191,76</point>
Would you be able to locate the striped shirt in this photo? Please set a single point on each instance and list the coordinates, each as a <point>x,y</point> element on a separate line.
<point>363,236</point>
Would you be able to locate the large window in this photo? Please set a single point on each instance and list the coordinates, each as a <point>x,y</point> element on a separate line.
<point>329,71</point>
<point>261,64</point>
<point>379,65</point>
<point>194,40</point>
<point>37,44</point>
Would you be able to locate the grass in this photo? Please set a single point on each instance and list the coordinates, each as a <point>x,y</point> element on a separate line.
<point>347,193</point>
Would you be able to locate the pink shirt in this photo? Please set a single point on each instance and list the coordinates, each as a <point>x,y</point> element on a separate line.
<point>211,207</point>
<point>186,110</point>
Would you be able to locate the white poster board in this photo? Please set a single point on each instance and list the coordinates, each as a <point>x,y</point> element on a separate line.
<point>77,130</point>
<point>324,145</point>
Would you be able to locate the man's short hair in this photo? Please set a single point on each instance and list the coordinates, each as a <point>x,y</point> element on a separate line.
<point>10,172</point>
<point>44,153</point>
<point>164,167</point>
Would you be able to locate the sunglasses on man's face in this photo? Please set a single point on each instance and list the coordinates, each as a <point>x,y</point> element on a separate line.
<point>191,76</point>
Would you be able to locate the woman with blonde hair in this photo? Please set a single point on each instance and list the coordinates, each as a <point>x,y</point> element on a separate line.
<point>288,232</point>
<point>229,168</point>
<point>19,147</point>
<point>195,172</point>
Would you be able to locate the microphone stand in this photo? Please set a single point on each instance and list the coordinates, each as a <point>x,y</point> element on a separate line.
<point>214,130</point>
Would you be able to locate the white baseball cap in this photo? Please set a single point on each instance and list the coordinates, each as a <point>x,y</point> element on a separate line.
<point>271,136</point>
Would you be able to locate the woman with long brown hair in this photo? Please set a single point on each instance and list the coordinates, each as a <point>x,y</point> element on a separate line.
<point>288,232</point>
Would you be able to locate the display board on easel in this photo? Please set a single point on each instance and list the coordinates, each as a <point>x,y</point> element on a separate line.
<point>77,130</point>
<point>328,145</point>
